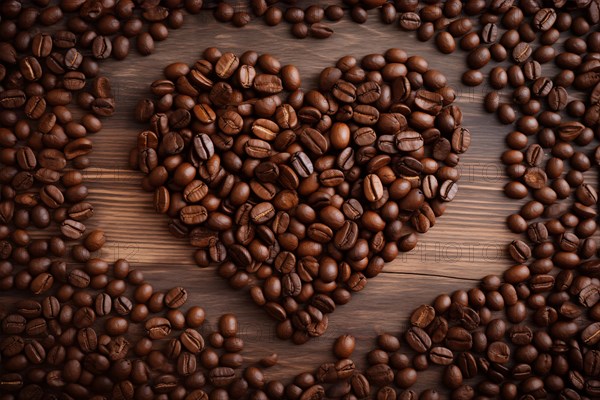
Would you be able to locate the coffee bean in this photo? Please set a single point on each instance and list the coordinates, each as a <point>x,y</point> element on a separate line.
<point>418,339</point>
<point>176,297</point>
<point>373,188</point>
<point>344,346</point>
<point>221,376</point>
<point>498,352</point>
<point>12,98</point>
<point>144,44</point>
<point>445,42</point>
<point>158,328</point>
<point>521,52</point>
<point>380,374</point>
<point>422,316</point>
<point>542,87</point>
<point>42,283</point>
<point>441,356</point>
<point>192,341</point>
<point>300,30</point>
<point>458,339</point>
<point>544,19</point>
<point>472,78</point>
<point>409,21</point>
<point>228,325</point>
<point>302,164</point>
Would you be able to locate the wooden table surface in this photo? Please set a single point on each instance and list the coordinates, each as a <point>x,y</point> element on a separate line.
<point>467,243</point>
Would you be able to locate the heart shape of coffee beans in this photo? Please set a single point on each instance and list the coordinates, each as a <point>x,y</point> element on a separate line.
<point>302,196</point>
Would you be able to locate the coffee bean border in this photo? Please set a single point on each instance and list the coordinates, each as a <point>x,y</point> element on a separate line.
<point>580,26</point>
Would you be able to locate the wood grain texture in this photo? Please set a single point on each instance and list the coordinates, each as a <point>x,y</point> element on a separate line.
<point>467,243</point>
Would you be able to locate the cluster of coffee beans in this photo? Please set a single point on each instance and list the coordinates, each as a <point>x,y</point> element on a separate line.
<point>532,332</point>
<point>304,198</point>
<point>104,28</point>
<point>516,336</point>
<point>43,144</point>
<point>75,333</point>
<point>506,31</point>
<point>301,197</point>
<point>41,139</point>
<point>449,21</point>
<point>524,333</point>
<point>304,22</point>
<point>72,337</point>
<point>549,154</point>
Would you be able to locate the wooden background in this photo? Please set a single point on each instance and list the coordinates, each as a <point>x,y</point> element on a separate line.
<point>467,243</point>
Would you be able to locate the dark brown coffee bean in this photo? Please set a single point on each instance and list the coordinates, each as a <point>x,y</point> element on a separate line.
<point>158,328</point>
<point>144,44</point>
<point>334,12</point>
<point>300,30</point>
<point>521,52</point>
<point>472,78</point>
<point>379,374</point>
<point>409,21</point>
<point>192,340</point>
<point>544,19</point>
<point>344,346</point>
<point>441,356</point>
<point>12,98</point>
<point>418,339</point>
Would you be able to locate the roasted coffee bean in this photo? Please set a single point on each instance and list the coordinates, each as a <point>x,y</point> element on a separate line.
<point>441,356</point>
<point>176,297</point>
<point>158,328</point>
<point>472,78</point>
<point>192,341</point>
<point>521,52</point>
<point>373,188</point>
<point>12,98</point>
<point>380,374</point>
<point>344,346</point>
<point>418,339</point>
<point>544,19</point>
<point>409,21</point>
<point>519,251</point>
<point>72,229</point>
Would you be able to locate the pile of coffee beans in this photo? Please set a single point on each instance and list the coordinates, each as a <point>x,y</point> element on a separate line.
<point>299,197</point>
<point>525,333</point>
<point>43,145</point>
<point>532,332</point>
<point>44,140</point>
<point>302,197</point>
<point>515,336</point>
<point>72,326</point>
<point>77,333</point>
<point>548,154</point>
<point>104,28</point>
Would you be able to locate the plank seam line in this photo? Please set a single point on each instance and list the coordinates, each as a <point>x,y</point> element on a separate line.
<point>460,278</point>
